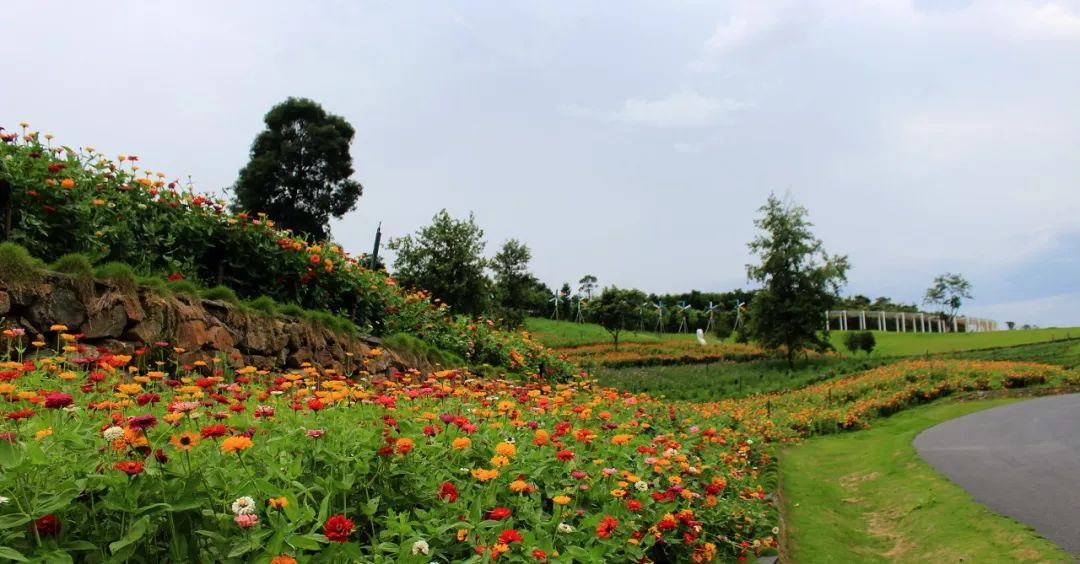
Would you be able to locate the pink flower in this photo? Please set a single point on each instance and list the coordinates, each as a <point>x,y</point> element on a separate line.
<point>610,471</point>
<point>246,521</point>
<point>316,433</point>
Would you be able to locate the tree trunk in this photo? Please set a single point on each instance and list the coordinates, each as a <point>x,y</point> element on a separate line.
<point>616,342</point>
<point>790,358</point>
<point>7,210</point>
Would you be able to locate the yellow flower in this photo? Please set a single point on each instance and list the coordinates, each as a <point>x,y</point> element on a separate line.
<point>518,486</point>
<point>621,493</point>
<point>58,327</point>
<point>506,449</point>
<point>43,433</point>
<point>234,444</point>
<point>621,439</point>
<point>462,534</point>
<point>561,499</point>
<point>129,389</point>
<point>278,502</point>
<point>499,461</point>
<point>461,442</point>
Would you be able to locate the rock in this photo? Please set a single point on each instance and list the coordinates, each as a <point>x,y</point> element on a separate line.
<point>298,357</point>
<point>58,305</point>
<point>220,338</point>
<point>5,303</point>
<point>109,322</point>
<point>191,335</point>
<point>152,326</point>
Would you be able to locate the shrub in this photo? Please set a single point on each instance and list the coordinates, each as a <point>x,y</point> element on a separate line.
<point>17,267</point>
<point>156,285</point>
<point>263,304</point>
<point>74,264</point>
<point>118,273</point>
<point>184,288</point>
<point>221,294</point>
<point>290,310</point>
<point>434,355</point>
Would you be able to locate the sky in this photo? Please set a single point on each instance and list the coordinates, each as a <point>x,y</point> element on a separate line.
<point>631,140</point>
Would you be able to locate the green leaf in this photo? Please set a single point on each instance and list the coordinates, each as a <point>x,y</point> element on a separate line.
<point>13,520</point>
<point>10,454</point>
<point>11,554</point>
<point>306,542</point>
<point>242,547</point>
<point>134,533</point>
<point>80,545</point>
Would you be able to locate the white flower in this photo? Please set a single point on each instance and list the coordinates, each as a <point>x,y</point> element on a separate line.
<point>641,485</point>
<point>113,433</point>
<point>4,500</point>
<point>670,452</point>
<point>564,528</point>
<point>749,441</point>
<point>420,547</point>
<point>243,505</point>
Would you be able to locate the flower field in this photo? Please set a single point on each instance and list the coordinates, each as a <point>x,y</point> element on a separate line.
<point>107,458</point>
<point>660,353</point>
<point>67,200</point>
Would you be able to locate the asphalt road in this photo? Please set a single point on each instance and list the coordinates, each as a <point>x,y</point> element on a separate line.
<point>1021,460</point>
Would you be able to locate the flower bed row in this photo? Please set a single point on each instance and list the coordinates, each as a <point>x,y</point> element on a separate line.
<point>634,354</point>
<point>106,458</point>
<point>69,200</point>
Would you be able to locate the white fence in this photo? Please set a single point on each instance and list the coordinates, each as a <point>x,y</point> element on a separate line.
<point>904,322</point>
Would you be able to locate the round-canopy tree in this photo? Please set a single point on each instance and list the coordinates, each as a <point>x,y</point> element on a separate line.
<point>300,169</point>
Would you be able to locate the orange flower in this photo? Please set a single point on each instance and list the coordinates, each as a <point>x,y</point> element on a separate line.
<point>67,183</point>
<point>234,444</point>
<point>185,441</point>
<point>404,445</point>
<point>278,502</point>
<point>461,442</point>
<point>283,559</point>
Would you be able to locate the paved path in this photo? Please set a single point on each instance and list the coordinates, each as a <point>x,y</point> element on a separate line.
<point>1021,460</point>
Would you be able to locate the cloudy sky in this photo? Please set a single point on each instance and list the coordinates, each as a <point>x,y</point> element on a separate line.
<point>630,140</point>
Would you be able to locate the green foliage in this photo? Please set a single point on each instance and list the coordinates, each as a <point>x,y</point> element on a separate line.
<point>73,264</point>
<point>290,310</point>
<point>587,285</point>
<point>446,259</point>
<point>184,288</point>
<point>264,305</point>
<point>856,341</point>
<point>329,321</point>
<point>118,273</point>
<point>17,267</point>
<point>867,342</point>
<point>513,281</point>
<point>155,284</point>
<point>221,294</point>
<point>416,347</point>
<point>616,310</point>
<point>799,281</point>
<point>300,169</point>
<point>948,292</point>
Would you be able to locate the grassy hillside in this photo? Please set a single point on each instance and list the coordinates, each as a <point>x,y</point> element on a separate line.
<point>567,334</point>
<point>909,344</point>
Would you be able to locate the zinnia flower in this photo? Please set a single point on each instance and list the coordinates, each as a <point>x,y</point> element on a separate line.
<point>510,535</point>
<point>185,441</point>
<point>246,520</point>
<point>560,500</point>
<point>129,467</point>
<point>57,400</point>
<point>448,491</point>
<point>565,528</point>
<point>337,528</point>
<point>47,526</point>
<point>283,559</point>
<point>142,422</point>
<point>237,443</point>
<point>244,505</point>
<point>420,547</point>
<point>498,514</point>
<point>606,526</point>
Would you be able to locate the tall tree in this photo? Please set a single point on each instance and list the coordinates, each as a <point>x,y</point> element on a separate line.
<point>949,292</point>
<point>617,310</point>
<point>513,281</point>
<point>300,169</point>
<point>587,285</point>
<point>445,258</point>
<point>799,281</point>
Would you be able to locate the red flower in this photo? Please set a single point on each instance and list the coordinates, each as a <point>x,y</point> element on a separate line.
<point>315,404</point>
<point>539,555</point>
<point>129,467</point>
<point>56,400</point>
<point>20,414</point>
<point>337,528</point>
<point>57,167</point>
<point>176,277</point>
<point>498,514</point>
<point>47,526</point>
<point>606,527</point>
<point>564,455</point>
<point>510,535</point>
<point>448,491</point>
<point>212,431</point>
<point>161,456</point>
<point>142,421</point>
<point>633,505</point>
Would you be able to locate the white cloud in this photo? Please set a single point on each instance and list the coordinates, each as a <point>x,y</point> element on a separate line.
<point>757,27</point>
<point>683,109</point>
<point>1053,20</point>
<point>684,147</point>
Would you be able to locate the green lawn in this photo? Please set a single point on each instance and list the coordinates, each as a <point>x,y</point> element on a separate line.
<point>909,344</point>
<point>710,382</point>
<point>567,334</point>
<point>868,497</point>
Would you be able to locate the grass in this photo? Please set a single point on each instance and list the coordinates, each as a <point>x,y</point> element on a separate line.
<point>868,497</point>
<point>709,382</point>
<point>17,268</point>
<point>912,344</point>
<point>567,334</point>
